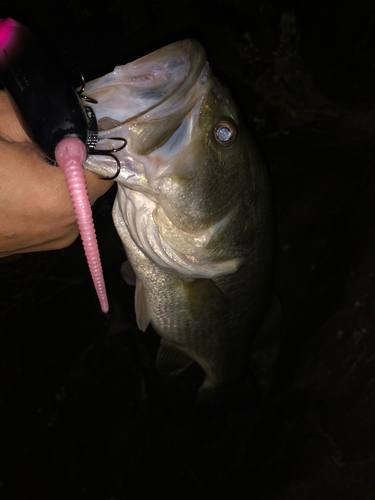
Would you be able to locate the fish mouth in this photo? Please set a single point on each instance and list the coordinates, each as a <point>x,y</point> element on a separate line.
<point>137,88</point>
<point>145,102</point>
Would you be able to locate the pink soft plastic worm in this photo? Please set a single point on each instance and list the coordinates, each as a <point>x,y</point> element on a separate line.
<point>70,154</point>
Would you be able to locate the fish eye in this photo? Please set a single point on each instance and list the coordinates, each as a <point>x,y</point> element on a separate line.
<point>225,133</point>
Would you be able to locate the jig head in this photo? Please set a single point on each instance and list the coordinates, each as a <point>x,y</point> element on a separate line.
<point>92,135</point>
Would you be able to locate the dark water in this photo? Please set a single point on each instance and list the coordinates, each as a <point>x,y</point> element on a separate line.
<point>82,411</point>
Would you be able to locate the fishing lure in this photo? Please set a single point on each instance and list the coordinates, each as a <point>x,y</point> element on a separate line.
<point>55,119</point>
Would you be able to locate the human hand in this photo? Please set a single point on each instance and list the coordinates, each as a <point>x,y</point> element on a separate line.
<point>36,211</point>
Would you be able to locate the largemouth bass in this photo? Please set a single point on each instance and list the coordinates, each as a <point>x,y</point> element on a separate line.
<point>193,209</point>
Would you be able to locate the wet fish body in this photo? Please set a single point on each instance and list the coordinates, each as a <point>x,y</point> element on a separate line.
<point>193,209</point>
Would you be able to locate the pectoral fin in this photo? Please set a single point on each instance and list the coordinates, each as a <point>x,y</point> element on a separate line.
<point>203,294</point>
<point>127,272</point>
<point>171,360</point>
<point>141,310</point>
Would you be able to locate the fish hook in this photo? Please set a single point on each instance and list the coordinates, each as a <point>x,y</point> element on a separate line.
<point>80,91</point>
<point>92,141</point>
<point>109,152</point>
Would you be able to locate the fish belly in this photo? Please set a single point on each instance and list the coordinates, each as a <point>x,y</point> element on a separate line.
<point>217,335</point>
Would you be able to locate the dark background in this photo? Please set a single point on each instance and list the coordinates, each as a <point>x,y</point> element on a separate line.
<point>82,412</point>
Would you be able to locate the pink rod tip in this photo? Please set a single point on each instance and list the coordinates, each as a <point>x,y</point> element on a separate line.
<point>6,31</point>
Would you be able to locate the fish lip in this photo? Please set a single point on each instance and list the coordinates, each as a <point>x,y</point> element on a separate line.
<point>175,67</point>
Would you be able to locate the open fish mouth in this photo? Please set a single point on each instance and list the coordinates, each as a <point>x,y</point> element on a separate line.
<point>145,102</point>
<point>138,87</point>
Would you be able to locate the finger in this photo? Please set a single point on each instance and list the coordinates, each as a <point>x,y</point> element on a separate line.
<point>35,203</point>
<point>36,209</point>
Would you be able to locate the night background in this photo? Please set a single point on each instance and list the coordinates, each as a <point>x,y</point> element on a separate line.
<point>83,414</point>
